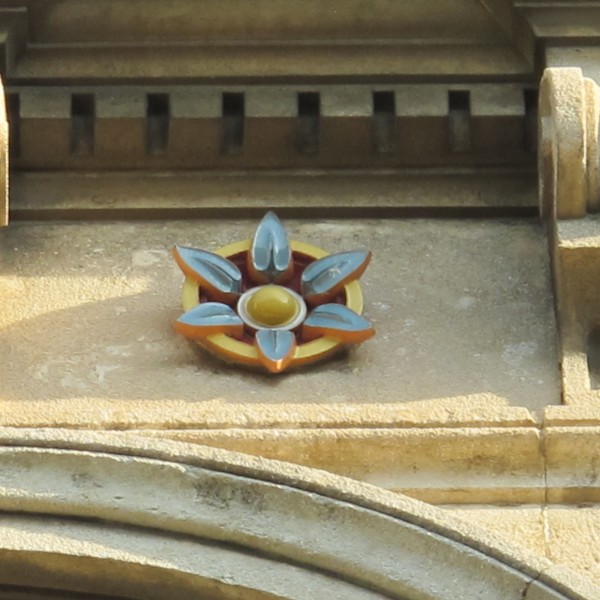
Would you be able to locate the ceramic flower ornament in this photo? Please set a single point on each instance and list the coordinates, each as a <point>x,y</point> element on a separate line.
<point>272,302</point>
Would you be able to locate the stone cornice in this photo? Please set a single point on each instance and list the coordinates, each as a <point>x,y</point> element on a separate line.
<point>110,41</point>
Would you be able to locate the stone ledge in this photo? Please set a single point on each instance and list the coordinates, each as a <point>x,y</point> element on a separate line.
<point>462,322</point>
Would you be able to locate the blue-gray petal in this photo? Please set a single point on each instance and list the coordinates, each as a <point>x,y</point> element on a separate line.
<point>207,319</point>
<point>220,275</point>
<point>324,278</point>
<point>275,348</point>
<point>338,321</point>
<point>270,257</point>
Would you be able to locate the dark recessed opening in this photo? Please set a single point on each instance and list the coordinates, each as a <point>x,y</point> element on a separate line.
<point>83,122</point>
<point>14,123</point>
<point>459,101</point>
<point>309,104</point>
<point>309,114</point>
<point>158,113</point>
<point>593,357</point>
<point>384,121</point>
<point>459,120</point>
<point>530,100</point>
<point>234,111</point>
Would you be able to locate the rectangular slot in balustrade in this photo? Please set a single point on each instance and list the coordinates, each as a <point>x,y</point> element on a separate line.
<point>530,100</point>
<point>14,120</point>
<point>309,115</point>
<point>158,113</point>
<point>459,120</point>
<point>83,123</point>
<point>234,114</point>
<point>384,121</point>
<point>593,357</point>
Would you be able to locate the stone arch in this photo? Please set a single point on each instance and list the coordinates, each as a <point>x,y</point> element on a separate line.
<point>132,517</point>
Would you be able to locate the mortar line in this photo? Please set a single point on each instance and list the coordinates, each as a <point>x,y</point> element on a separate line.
<point>544,513</point>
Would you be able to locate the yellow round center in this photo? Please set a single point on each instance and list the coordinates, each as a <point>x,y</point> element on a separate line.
<point>272,306</point>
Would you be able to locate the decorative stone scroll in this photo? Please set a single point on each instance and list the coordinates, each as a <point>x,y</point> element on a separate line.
<point>569,167</point>
<point>569,175</point>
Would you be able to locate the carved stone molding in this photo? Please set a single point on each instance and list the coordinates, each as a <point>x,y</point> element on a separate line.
<point>180,521</point>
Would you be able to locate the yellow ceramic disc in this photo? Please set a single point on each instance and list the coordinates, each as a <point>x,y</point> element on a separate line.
<point>272,306</point>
